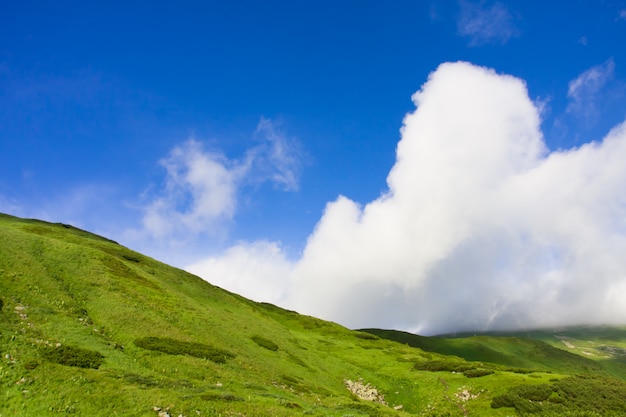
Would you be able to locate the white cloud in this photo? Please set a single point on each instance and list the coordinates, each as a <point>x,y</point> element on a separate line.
<point>260,262</point>
<point>484,24</point>
<point>583,91</point>
<point>200,189</point>
<point>201,186</point>
<point>196,206</point>
<point>481,227</point>
<point>622,14</point>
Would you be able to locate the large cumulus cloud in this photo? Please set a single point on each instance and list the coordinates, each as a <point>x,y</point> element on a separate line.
<point>481,226</point>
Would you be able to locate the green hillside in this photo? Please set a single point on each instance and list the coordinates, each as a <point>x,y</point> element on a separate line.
<point>90,328</point>
<point>604,345</point>
<point>508,350</point>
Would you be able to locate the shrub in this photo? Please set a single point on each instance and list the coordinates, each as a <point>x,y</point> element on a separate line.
<point>521,370</point>
<point>290,404</point>
<point>265,343</point>
<point>366,336</point>
<point>521,405</point>
<point>1,304</point>
<point>524,398</point>
<point>140,380</point>
<point>477,373</point>
<point>533,392</point>
<point>220,397</point>
<point>555,398</point>
<point>590,393</point>
<point>73,356</point>
<point>524,406</point>
<point>178,347</point>
<point>131,258</point>
<point>504,400</point>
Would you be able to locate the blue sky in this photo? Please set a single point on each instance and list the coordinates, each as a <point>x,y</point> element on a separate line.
<point>218,133</point>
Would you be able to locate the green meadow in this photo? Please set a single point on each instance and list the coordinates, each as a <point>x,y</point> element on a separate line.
<point>91,328</point>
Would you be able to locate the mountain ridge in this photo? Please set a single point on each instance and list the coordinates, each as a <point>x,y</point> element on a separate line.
<point>89,327</point>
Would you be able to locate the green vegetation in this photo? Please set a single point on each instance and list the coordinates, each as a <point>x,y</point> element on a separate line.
<point>604,346</point>
<point>220,397</point>
<point>444,365</point>
<point>265,343</point>
<point>468,369</point>
<point>89,327</point>
<point>516,353</point>
<point>477,372</point>
<point>177,347</point>
<point>524,398</point>
<point>579,395</point>
<point>72,356</point>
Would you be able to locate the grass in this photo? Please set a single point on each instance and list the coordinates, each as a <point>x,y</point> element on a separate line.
<point>512,351</point>
<point>88,327</point>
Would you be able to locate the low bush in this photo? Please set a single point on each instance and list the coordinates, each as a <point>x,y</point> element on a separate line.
<point>477,373</point>
<point>131,258</point>
<point>521,370</point>
<point>504,400</point>
<point>366,336</point>
<point>178,347</point>
<point>524,398</point>
<point>523,406</point>
<point>220,397</point>
<point>73,356</point>
<point>589,393</point>
<point>574,396</point>
<point>140,380</point>
<point>534,392</point>
<point>289,404</point>
<point>265,343</point>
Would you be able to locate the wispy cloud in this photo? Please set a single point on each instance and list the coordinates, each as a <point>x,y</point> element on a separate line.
<point>481,227</point>
<point>622,14</point>
<point>201,187</point>
<point>484,24</point>
<point>279,159</point>
<point>583,92</point>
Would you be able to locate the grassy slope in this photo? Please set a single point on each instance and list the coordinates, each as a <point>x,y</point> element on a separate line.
<point>569,350</point>
<point>604,345</point>
<point>61,285</point>
<point>507,350</point>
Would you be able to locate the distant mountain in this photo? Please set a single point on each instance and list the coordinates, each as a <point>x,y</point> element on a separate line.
<point>559,350</point>
<point>91,328</point>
